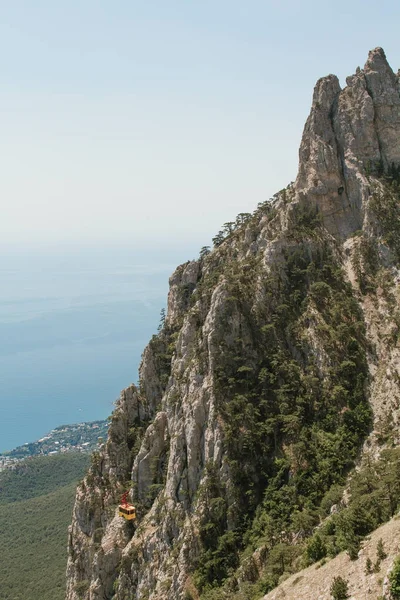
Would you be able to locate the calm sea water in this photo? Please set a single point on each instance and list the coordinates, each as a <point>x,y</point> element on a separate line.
<point>73,325</point>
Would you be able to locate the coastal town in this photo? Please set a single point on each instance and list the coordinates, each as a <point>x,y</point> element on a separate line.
<point>79,437</point>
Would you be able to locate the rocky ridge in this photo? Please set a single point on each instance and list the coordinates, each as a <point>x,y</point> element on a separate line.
<point>195,443</point>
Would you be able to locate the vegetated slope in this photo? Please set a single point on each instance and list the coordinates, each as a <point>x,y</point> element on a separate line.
<point>35,510</point>
<point>40,475</point>
<point>363,581</point>
<point>275,371</point>
<point>33,546</point>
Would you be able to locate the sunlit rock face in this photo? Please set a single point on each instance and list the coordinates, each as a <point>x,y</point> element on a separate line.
<point>348,131</point>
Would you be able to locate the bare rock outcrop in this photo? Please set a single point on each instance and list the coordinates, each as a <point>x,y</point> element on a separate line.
<point>348,132</point>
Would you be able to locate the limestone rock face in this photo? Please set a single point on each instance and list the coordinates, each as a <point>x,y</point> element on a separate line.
<point>382,86</point>
<point>97,536</point>
<point>347,132</point>
<point>181,284</point>
<point>167,440</point>
<point>147,462</point>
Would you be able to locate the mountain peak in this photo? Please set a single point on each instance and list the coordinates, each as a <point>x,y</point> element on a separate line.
<point>376,59</point>
<point>347,132</point>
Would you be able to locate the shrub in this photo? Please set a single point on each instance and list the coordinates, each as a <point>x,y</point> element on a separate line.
<point>339,589</point>
<point>82,586</point>
<point>316,548</point>
<point>380,550</point>
<point>394,579</point>
<point>368,566</point>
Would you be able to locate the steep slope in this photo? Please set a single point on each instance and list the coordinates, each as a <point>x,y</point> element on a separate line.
<point>315,581</point>
<point>277,361</point>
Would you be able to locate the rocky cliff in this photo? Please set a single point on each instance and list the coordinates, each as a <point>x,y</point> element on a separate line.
<point>276,370</point>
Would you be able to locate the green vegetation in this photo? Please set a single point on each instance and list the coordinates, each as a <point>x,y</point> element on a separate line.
<point>368,567</point>
<point>290,382</point>
<point>294,415</point>
<point>339,589</point>
<point>394,579</point>
<point>162,345</point>
<point>366,263</point>
<point>33,546</point>
<point>385,208</point>
<point>243,219</point>
<point>385,204</point>
<point>380,550</point>
<point>162,350</point>
<point>292,429</point>
<point>40,475</point>
<point>35,511</point>
<point>374,499</point>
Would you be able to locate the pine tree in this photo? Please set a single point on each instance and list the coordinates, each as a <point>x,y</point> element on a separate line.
<point>380,550</point>
<point>339,589</point>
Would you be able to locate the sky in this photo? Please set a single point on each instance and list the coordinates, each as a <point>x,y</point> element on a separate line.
<point>158,121</point>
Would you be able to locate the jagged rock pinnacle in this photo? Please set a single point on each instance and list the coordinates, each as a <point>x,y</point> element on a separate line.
<point>325,91</point>
<point>346,131</point>
<point>377,59</point>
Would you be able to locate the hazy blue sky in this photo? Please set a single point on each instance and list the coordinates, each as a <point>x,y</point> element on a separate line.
<point>122,120</point>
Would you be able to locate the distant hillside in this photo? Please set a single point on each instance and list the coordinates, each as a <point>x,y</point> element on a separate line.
<point>41,475</point>
<point>36,500</point>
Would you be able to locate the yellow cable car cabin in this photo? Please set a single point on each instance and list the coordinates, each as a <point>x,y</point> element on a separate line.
<point>126,510</point>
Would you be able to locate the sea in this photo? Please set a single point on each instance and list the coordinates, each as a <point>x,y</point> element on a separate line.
<point>74,321</point>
